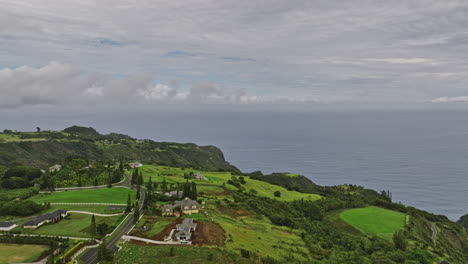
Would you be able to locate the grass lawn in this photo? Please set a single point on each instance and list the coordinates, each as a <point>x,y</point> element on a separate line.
<point>18,253</point>
<point>109,195</point>
<point>375,220</point>
<point>76,226</point>
<point>100,209</point>
<point>153,224</point>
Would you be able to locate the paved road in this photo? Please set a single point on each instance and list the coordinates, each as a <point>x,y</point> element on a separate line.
<point>155,241</point>
<point>89,204</point>
<point>96,214</point>
<point>434,233</point>
<point>90,257</point>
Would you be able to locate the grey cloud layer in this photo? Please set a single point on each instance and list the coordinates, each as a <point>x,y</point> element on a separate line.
<point>376,51</point>
<point>62,84</point>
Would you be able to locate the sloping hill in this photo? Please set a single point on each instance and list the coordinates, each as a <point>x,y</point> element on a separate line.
<point>47,148</point>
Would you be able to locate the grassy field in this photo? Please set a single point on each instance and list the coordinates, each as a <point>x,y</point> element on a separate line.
<point>181,255</point>
<point>256,233</point>
<point>16,138</point>
<point>75,226</point>
<point>18,253</point>
<point>109,195</point>
<point>374,220</point>
<point>176,175</point>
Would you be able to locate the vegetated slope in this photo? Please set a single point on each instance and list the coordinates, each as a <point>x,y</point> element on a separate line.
<point>43,149</point>
<point>464,221</point>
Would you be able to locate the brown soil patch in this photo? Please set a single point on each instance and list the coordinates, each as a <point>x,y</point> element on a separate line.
<point>208,233</point>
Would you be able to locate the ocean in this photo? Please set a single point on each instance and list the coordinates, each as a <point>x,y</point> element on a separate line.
<point>419,155</point>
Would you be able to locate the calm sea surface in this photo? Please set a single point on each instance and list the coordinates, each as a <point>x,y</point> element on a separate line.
<point>420,156</point>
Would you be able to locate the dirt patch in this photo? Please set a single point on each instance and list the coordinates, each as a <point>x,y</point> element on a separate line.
<point>208,233</point>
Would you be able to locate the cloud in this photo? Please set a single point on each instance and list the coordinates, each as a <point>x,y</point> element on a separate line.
<point>451,99</point>
<point>390,50</point>
<point>63,84</point>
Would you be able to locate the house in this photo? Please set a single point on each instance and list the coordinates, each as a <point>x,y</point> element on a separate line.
<point>184,230</point>
<point>187,224</point>
<point>46,218</point>
<point>55,168</point>
<point>186,206</point>
<point>134,165</point>
<point>7,226</point>
<point>183,235</point>
<point>199,176</point>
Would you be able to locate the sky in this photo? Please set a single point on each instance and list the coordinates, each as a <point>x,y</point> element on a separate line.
<point>245,52</point>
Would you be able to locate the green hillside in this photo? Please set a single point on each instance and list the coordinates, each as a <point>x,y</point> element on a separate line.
<point>43,149</point>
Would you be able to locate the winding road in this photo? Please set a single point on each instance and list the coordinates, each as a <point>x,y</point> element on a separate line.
<point>90,256</point>
<point>434,233</point>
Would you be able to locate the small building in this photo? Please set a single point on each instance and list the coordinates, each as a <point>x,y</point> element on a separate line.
<point>186,206</point>
<point>7,226</point>
<point>46,218</point>
<point>177,194</point>
<point>55,168</point>
<point>199,176</point>
<point>134,165</point>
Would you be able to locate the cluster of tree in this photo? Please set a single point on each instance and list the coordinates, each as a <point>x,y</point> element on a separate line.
<point>8,195</point>
<point>98,230</point>
<point>237,181</point>
<point>21,208</point>
<point>137,177</point>
<point>20,177</point>
<point>81,172</point>
<point>190,190</point>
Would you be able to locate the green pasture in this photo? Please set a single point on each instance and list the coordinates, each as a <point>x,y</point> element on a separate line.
<point>20,253</point>
<point>75,225</point>
<point>375,220</point>
<point>115,195</point>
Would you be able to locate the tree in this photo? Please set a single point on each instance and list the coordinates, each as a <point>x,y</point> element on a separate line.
<point>164,185</point>
<point>102,229</point>
<point>138,193</point>
<point>104,254</point>
<point>140,179</point>
<point>277,194</point>
<point>171,252</point>
<point>92,228</point>
<point>121,166</point>
<point>136,214</point>
<point>149,185</point>
<point>193,191</point>
<point>129,205</point>
<point>135,176</point>
<point>399,240</point>
<point>38,129</point>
